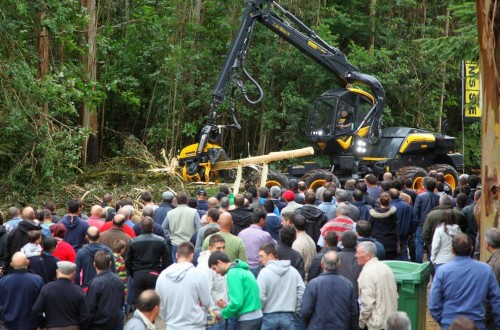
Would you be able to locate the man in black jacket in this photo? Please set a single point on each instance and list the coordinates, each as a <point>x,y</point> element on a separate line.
<point>61,303</point>
<point>147,255</point>
<point>331,241</point>
<point>105,296</point>
<point>242,215</point>
<point>315,218</point>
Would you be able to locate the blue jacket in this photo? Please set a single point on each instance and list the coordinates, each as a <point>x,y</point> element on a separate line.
<point>18,293</point>
<point>329,303</point>
<point>161,213</point>
<point>273,225</point>
<point>462,287</point>
<point>76,231</point>
<point>407,219</point>
<point>85,261</point>
<point>364,209</point>
<point>424,203</point>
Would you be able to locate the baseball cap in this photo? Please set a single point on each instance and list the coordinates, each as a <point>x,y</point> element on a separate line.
<point>167,195</point>
<point>66,267</point>
<point>289,195</point>
<point>202,192</point>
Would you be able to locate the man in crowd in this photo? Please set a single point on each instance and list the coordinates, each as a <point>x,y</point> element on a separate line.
<point>350,267</point>
<point>378,294</point>
<point>329,300</point>
<point>343,197</point>
<point>362,205</point>
<point>95,217</point>
<point>76,227</point>
<point>235,248</point>
<point>331,241</point>
<point>327,206</point>
<point>105,296</point>
<point>315,218</point>
<point>364,231</point>
<point>462,287</point>
<point>274,279</point>
<point>14,219</point>
<point>18,292</point>
<point>285,251</point>
<point>424,203</point>
<point>85,270</point>
<point>291,205</point>
<point>493,246</point>
<point>181,223</point>
<point>254,237</point>
<point>116,232</point>
<point>242,215</point>
<point>212,217</point>
<point>148,309</point>
<point>340,224</point>
<point>166,205</point>
<point>216,283</point>
<point>303,243</point>
<point>243,291</point>
<point>276,198</point>
<point>184,292</point>
<point>19,237</point>
<point>61,304</point>
<point>407,220</point>
<point>146,258</point>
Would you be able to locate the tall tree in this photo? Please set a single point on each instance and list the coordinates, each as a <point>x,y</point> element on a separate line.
<point>488,23</point>
<point>88,113</point>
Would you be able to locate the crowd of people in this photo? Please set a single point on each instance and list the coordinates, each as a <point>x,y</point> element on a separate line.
<point>270,258</point>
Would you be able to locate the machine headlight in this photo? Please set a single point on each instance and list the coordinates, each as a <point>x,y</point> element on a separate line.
<point>361,143</point>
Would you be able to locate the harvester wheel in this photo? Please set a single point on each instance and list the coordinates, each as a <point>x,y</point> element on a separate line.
<point>449,172</point>
<point>415,173</point>
<point>275,178</point>
<point>317,178</point>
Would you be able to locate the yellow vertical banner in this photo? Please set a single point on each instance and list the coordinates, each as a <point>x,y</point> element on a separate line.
<point>472,110</point>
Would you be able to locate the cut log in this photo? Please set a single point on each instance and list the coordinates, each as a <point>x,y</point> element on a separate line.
<point>264,159</point>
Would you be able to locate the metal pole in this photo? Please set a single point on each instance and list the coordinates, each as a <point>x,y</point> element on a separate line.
<point>463,112</point>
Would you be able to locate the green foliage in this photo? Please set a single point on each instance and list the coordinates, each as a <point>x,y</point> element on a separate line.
<point>159,60</point>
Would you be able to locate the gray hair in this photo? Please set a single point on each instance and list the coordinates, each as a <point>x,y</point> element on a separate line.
<point>445,200</point>
<point>493,237</point>
<point>341,195</point>
<point>330,261</point>
<point>224,202</point>
<point>398,321</point>
<point>342,209</point>
<point>275,192</point>
<point>148,211</point>
<point>369,247</point>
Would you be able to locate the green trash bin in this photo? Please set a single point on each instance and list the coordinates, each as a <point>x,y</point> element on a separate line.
<point>411,279</point>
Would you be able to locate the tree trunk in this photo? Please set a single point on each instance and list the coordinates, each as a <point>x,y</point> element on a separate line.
<point>443,82</point>
<point>371,41</point>
<point>42,46</point>
<point>488,18</point>
<point>88,114</point>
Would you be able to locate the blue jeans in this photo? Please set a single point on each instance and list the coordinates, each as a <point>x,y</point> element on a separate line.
<point>298,323</point>
<point>278,321</point>
<point>250,324</point>
<point>404,254</point>
<point>174,252</point>
<point>218,326</point>
<point>419,245</point>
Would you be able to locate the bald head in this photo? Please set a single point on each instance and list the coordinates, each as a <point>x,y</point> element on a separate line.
<point>119,220</point>
<point>126,211</point>
<point>93,234</point>
<point>19,261</point>
<point>212,202</point>
<point>28,213</point>
<point>225,221</point>
<point>96,211</point>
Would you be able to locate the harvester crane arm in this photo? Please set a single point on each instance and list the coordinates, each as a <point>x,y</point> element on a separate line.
<point>304,39</point>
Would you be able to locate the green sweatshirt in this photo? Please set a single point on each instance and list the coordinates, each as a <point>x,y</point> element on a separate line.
<point>242,289</point>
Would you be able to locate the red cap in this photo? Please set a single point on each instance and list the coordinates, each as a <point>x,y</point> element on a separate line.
<point>289,195</point>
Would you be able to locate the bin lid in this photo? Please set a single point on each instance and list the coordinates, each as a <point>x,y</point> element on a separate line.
<point>409,271</point>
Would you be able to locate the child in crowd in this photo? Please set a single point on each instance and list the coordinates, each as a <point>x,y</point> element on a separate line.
<point>119,253</point>
<point>33,247</point>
